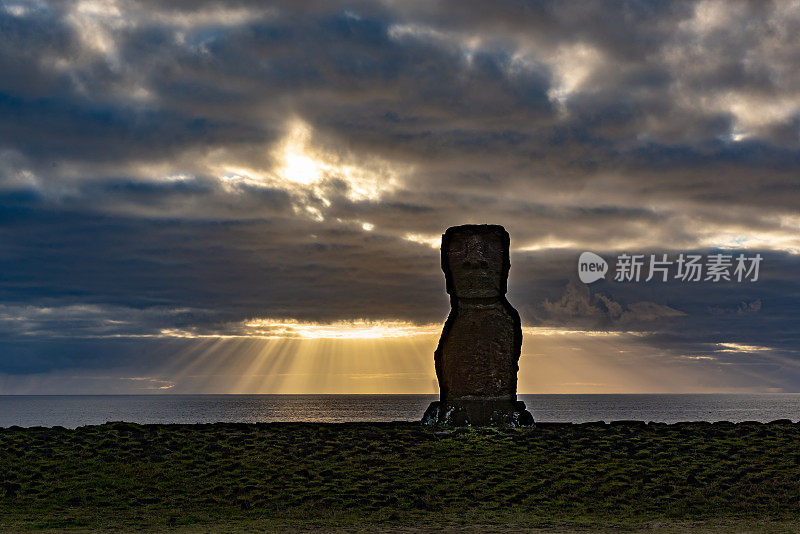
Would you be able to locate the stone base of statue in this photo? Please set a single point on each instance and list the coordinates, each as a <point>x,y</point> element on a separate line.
<point>478,412</point>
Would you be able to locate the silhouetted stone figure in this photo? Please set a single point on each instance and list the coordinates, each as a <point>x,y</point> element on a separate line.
<point>478,353</point>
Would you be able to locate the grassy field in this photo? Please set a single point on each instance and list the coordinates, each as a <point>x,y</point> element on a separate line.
<point>562,477</point>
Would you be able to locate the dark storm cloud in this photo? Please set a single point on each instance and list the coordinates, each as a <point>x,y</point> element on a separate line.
<point>227,269</point>
<point>191,166</point>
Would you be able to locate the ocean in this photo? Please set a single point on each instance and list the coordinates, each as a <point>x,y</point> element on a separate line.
<point>77,410</point>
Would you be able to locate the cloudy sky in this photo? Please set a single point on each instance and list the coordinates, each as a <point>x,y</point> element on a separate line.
<point>249,196</point>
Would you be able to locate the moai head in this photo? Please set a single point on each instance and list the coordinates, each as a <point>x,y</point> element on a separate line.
<point>475,260</point>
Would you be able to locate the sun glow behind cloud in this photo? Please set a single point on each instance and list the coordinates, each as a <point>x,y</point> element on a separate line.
<point>313,174</point>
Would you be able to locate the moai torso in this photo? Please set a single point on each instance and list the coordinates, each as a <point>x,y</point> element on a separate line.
<point>478,353</point>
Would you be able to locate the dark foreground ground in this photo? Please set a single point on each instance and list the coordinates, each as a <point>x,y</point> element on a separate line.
<point>361,476</point>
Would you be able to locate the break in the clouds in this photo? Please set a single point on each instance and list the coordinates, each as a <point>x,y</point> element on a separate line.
<point>177,172</point>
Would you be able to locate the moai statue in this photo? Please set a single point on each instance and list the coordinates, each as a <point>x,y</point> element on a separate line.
<point>478,353</point>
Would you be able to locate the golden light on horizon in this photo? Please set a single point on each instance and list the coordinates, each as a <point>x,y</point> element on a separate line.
<point>356,329</point>
<point>288,356</point>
